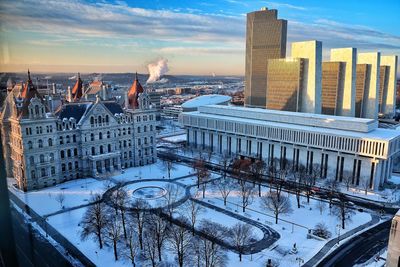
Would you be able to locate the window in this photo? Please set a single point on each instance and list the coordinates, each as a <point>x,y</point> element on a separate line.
<point>139,142</point>
<point>93,150</point>
<point>63,167</point>
<point>31,160</point>
<point>91,137</point>
<point>30,146</point>
<point>69,153</point>
<point>51,157</point>
<point>145,129</point>
<point>75,152</point>
<point>108,134</point>
<point>68,139</point>
<point>40,142</point>
<point>151,139</point>
<point>101,150</point>
<point>100,136</point>
<point>74,138</point>
<point>138,129</point>
<point>109,148</point>
<point>50,141</point>
<point>33,175</point>
<point>61,140</point>
<point>69,166</point>
<point>53,171</point>
<point>42,158</point>
<point>145,140</point>
<point>43,172</point>
<point>107,119</point>
<point>151,127</point>
<point>62,154</point>
<point>91,121</point>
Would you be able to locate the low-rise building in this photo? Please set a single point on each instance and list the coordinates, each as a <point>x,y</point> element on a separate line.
<point>343,147</point>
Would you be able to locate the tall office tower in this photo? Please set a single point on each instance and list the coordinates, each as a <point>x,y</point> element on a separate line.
<point>332,87</point>
<point>363,72</point>
<point>347,89</point>
<point>284,84</point>
<point>389,93</point>
<point>265,39</point>
<point>383,86</point>
<point>371,93</point>
<point>311,52</point>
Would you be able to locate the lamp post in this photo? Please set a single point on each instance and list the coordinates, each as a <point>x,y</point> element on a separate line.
<point>338,232</point>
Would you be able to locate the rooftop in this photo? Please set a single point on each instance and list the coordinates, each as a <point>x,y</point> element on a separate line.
<point>206,100</point>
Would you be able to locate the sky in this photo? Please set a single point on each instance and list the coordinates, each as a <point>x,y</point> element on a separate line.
<point>196,37</point>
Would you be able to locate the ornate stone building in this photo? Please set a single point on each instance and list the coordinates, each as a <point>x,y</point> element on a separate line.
<point>80,138</point>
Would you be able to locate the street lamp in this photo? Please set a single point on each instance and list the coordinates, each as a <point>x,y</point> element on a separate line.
<point>338,232</point>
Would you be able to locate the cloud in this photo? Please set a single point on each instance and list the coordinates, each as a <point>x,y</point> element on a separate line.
<point>179,50</point>
<point>284,5</point>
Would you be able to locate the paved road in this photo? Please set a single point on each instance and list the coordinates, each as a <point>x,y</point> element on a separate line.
<point>32,248</point>
<point>360,248</point>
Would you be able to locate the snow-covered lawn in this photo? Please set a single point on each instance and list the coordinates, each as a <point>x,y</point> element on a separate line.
<point>76,192</point>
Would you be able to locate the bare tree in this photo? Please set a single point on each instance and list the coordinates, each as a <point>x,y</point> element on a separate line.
<point>60,198</point>
<point>225,187</point>
<point>246,192</point>
<point>332,186</point>
<point>169,166</point>
<point>150,251</point>
<point>284,171</point>
<point>113,232</point>
<point>299,176</point>
<point>347,179</point>
<point>343,211</point>
<point>119,201</point>
<point>192,209</point>
<point>366,185</point>
<point>315,172</point>
<point>321,206</point>
<point>139,214</point>
<point>131,250</point>
<point>171,197</point>
<point>200,169</point>
<point>205,177</point>
<point>257,169</point>
<point>212,254</point>
<point>278,205</point>
<point>241,234</point>
<point>160,228</point>
<point>94,220</point>
<point>180,241</point>
<point>225,161</point>
<point>308,182</point>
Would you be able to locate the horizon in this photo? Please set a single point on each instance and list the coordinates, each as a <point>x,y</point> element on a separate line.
<point>196,38</point>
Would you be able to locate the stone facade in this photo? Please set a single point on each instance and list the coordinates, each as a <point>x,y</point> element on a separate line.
<point>80,139</point>
<point>342,147</point>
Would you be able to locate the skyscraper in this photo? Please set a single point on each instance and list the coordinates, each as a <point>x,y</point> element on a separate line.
<point>265,39</point>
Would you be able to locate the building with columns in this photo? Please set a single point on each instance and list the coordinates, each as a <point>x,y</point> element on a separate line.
<point>341,146</point>
<point>80,138</point>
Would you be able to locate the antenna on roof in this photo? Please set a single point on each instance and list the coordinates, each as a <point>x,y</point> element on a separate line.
<point>29,75</point>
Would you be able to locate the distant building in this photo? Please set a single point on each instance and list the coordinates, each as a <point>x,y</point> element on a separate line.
<point>341,147</point>
<point>265,39</point>
<point>81,138</point>
<point>332,81</point>
<point>393,255</point>
<point>172,111</point>
<point>194,103</point>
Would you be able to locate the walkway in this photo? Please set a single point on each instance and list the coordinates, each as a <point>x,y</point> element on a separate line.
<point>325,250</point>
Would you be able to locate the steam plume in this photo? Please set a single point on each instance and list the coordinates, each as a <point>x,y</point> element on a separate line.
<point>157,69</point>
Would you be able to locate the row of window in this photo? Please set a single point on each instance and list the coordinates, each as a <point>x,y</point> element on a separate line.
<point>39,130</point>
<point>43,173</point>
<point>355,145</point>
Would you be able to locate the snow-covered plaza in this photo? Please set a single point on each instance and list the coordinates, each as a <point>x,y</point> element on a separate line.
<point>286,242</point>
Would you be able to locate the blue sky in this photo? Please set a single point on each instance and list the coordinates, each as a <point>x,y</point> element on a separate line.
<point>197,37</point>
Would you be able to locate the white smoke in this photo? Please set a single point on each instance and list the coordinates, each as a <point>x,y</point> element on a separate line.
<point>72,78</point>
<point>156,70</point>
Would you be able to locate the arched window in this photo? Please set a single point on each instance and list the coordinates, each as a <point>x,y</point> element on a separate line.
<point>50,141</point>
<point>33,175</point>
<point>108,134</point>
<point>43,172</point>
<point>145,129</point>
<point>91,121</point>
<point>140,153</point>
<point>61,140</point>
<point>31,160</point>
<point>109,148</point>
<point>37,110</point>
<point>129,130</point>
<point>139,142</point>
<point>40,142</point>
<point>75,152</point>
<point>151,127</point>
<point>76,165</point>
<point>41,158</point>
<point>93,150</point>
<point>74,138</point>
<point>101,150</point>
<point>69,166</point>
<point>63,167</point>
<point>151,139</point>
<point>100,136</point>
<point>107,119</point>
<point>99,120</point>
<point>145,140</point>
<point>124,143</point>
<point>69,153</point>
<point>30,146</point>
<point>62,154</point>
<point>53,171</point>
<point>51,157</point>
<point>91,137</point>
<point>138,129</point>
<point>68,139</point>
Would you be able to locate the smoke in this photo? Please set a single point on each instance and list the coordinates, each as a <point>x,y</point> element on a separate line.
<point>72,78</point>
<point>156,70</point>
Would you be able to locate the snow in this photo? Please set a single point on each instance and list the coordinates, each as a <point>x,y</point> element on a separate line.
<point>205,100</point>
<point>175,138</point>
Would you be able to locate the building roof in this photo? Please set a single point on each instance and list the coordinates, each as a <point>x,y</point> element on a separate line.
<point>77,90</point>
<point>73,110</point>
<point>28,92</point>
<point>113,107</point>
<point>134,92</point>
<point>333,125</point>
<point>206,100</point>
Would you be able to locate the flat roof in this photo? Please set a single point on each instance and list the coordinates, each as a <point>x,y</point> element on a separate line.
<point>299,118</point>
<point>378,133</point>
<point>206,100</point>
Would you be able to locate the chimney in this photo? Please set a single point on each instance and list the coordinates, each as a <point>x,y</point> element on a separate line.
<point>69,94</point>
<point>126,100</point>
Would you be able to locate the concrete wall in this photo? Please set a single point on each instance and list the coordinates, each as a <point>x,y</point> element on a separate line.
<point>371,105</point>
<point>390,100</point>
<point>349,56</point>
<point>311,51</point>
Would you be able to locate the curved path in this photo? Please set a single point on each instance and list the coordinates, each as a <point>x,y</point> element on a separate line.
<point>270,236</point>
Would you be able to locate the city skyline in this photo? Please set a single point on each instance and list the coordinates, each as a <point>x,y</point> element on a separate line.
<point>122,36</point>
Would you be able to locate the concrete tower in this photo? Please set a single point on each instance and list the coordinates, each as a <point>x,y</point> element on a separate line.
<point>311,52</point>
<point>388,85</point>
<point>265,39</point>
